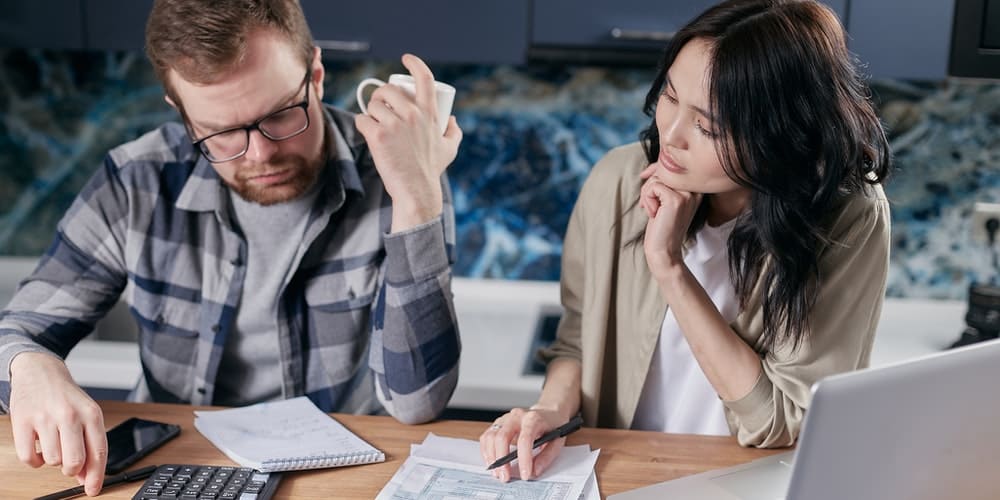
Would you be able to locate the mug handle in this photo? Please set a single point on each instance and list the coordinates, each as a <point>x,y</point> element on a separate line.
<point>361,87</point>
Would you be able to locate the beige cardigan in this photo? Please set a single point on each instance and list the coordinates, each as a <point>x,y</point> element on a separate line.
<point>613,310</point>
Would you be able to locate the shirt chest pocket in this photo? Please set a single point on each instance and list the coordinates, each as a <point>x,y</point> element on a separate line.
<point>340,304</point>
<point>343,290</point>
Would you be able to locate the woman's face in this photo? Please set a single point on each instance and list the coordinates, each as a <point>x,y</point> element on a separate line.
<point>689,159</point>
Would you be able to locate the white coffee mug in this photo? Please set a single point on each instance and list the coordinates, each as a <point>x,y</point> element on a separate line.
<point>445,95</point>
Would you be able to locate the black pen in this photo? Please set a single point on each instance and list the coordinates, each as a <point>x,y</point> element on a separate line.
<point>124,477</point>
<point>573,425</point>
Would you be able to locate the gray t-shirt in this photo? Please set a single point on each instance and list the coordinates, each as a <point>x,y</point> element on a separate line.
<point>250,369</point>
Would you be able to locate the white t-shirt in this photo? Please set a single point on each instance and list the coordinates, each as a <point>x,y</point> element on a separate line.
<point>677,396</point>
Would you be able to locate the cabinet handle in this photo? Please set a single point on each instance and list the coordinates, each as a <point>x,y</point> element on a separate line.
<point>640,35</point>
<point>343,45</point>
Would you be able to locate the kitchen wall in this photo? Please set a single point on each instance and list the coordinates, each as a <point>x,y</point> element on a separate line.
<point>531,135</point>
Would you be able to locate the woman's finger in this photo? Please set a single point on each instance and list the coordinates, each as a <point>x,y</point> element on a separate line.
<point>648,171</point>
<point>532,428</point>
<point>501,446</point>
<point>486,441</point>
<point>547,454</point>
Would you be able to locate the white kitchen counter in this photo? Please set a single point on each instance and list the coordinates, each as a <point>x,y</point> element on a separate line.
<point>498,319</point>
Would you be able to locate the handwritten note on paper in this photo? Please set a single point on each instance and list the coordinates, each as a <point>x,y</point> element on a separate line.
<point>284,435</point>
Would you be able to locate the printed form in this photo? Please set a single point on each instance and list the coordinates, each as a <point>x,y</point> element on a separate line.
<point>447,468</point>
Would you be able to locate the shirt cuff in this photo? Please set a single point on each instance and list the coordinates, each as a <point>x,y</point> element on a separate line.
<point>12,352</point>
<point>754,410</point>
<point>9,353</point>
<point>416,253</point>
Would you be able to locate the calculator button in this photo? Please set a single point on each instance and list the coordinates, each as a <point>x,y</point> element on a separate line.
<point>207,482</point>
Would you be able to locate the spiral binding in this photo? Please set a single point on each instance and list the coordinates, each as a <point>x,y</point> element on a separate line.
<point>321,461</point>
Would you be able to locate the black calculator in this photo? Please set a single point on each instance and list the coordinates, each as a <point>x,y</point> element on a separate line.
<point>208,482</point>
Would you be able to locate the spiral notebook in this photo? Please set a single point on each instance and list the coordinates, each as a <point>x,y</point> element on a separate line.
<point>284,435</point>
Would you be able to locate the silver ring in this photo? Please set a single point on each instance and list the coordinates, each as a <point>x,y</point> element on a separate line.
<point>495,427</point>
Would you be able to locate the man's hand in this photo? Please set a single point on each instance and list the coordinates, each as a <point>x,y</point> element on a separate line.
<point>409,151</point>
<point>46,405</point>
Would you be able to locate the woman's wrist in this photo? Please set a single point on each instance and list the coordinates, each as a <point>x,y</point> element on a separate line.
<point>560,410</point>
<point>669,274</point>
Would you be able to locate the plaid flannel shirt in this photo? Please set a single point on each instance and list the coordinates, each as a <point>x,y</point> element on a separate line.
<point>366,321</point>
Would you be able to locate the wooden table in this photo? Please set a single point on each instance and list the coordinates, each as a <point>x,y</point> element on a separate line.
<point>629,459</point>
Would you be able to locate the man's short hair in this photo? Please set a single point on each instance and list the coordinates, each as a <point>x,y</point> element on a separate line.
<point>203,39</point>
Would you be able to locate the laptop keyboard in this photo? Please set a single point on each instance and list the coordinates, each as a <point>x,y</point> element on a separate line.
<point>207,482</point>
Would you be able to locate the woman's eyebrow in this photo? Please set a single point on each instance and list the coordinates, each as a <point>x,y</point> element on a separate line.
<point>708,116</point>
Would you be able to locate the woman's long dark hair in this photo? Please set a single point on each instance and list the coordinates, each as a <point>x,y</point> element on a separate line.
<point>797,127</point>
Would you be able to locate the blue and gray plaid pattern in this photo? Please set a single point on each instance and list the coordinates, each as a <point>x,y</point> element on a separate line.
<point>366,322</point>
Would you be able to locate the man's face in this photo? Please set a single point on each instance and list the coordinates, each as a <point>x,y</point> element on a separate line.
<point>269,79</point>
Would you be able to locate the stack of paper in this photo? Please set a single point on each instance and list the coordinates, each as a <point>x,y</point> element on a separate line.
<point>443,467</point>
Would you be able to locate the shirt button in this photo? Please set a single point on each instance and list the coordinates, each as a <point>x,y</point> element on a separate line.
<point>201,390</point>
<point>216,328</point>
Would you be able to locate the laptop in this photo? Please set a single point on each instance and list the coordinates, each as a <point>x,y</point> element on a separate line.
<point>923,429</point>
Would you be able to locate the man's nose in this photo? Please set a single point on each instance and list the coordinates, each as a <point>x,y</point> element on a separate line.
<point>260,149</point>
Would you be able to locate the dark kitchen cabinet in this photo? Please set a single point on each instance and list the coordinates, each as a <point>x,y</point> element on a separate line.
<point>50,24</point>
<point>116,24</point>
<point>615,24</point>
<point>894,38</point>
<point>907,39</point>
<point>436,30</point>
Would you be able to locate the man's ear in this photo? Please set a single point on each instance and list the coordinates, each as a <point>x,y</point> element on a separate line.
<point>170,101</point>
<point>318,72</point>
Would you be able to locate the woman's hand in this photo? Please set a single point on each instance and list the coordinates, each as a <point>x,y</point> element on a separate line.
<point>670,213</point>
<point>522,427</point>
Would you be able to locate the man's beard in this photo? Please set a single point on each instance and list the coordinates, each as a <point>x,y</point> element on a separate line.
<point>302,180</point>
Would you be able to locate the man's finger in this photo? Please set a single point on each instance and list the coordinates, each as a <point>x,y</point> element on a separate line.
<point>424,80</point>
<point>365,124</point>
<point>24,444</point>
<point>48,440</point>
<point>97,456</point>
<point>74,454</point>
<point>453,132</point>
<point>392,100</point>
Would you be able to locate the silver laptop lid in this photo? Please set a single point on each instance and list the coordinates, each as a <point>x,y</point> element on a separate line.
<point>922,429</point>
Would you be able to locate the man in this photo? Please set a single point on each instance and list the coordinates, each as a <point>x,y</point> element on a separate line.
<point>266,248</point>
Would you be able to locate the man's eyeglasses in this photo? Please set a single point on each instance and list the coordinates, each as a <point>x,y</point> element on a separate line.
<point>285,123</point>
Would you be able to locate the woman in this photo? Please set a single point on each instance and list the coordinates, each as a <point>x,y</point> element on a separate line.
<point>718,268</point>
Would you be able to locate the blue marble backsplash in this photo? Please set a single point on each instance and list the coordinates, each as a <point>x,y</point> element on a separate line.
<point>531,135</point>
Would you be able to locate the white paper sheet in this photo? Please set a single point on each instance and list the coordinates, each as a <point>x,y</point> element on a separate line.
<point>444,468</point>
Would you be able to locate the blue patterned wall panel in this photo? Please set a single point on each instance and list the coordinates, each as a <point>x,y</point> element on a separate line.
<point>531,135</point>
